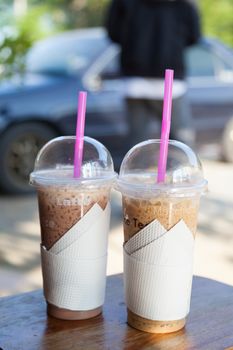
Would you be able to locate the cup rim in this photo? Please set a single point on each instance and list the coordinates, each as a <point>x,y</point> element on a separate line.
<point>149,190</point>
<point>38,178</point>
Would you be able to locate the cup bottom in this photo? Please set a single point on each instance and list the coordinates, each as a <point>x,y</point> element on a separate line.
<point>65,314</point>
<point>150,326</point>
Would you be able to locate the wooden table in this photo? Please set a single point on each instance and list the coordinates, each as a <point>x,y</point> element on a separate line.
<point>24,324</point>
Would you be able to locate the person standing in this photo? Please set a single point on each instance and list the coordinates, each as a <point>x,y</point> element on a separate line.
<point>153,35</point>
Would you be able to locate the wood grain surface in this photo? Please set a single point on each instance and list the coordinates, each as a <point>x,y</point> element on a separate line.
<point>24,324</point>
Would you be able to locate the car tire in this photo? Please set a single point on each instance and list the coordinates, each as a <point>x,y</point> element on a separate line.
<point>228,142</point>
<point>19,146</point>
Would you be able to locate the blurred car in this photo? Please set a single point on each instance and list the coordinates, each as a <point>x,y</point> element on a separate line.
<point>42,103</point>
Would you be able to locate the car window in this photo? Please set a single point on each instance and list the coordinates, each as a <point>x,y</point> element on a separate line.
<point>200,62</point>
<point>222,65</point>
<point>112,68</point>
<point>64,54</point>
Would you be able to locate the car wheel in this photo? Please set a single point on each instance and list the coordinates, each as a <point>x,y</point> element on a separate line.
<point>228,142</point>
<point>19,146</point>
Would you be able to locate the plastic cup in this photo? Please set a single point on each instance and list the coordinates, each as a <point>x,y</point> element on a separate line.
<point>74,219</point>
<point>160,222</point>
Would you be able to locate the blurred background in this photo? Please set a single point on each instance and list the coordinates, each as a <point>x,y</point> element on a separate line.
<point>51,49</point>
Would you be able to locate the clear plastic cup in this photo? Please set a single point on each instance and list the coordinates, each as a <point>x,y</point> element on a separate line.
<point>70,209</point>
<point>160,222</point>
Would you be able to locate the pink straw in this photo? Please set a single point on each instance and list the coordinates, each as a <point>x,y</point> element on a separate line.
<point>78,151</point>
<point>166,124</point>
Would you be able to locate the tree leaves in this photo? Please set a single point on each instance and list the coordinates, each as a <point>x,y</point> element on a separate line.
<point>217,18</point>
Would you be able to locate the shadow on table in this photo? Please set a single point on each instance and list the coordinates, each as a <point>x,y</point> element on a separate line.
<point>209,324</point>
<point>24,323</point>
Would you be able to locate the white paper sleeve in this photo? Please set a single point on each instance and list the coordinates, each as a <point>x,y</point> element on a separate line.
<point>74,284</point>
<point>158,277</point>
<point>74,269</point>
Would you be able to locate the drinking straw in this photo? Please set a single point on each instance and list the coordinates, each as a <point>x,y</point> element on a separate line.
<point>166,124</point>
<point>78,151</point>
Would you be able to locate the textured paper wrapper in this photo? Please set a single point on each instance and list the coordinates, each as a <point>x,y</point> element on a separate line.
<point>172,248</point>
<point>88,238</point>
<point>74,269</point>
<point>74,284</point>
<point>147,235</point>
<point>158,276</point>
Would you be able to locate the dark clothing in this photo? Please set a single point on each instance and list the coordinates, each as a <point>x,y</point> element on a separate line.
<point>152,35</point>
<point>145,110</point>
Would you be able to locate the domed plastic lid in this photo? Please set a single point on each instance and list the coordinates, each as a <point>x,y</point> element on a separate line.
<point>138,173</point>
<point>54,163</point>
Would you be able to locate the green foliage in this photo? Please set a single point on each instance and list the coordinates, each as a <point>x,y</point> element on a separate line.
<point>79,13</point>
<point>217,19</point>
<point>45,17</point>
<point>17,36</point>
<point>12,52</point>
<point>90,15</point>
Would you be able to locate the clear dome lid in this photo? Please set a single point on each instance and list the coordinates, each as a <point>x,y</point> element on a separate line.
<point>55,163</point>
<point>138,172</point>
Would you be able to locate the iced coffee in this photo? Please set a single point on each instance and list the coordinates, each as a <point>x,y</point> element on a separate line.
<point>159,221</point>
<point>74,219</point>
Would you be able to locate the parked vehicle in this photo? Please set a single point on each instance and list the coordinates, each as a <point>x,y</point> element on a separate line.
<point>42,103</point>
